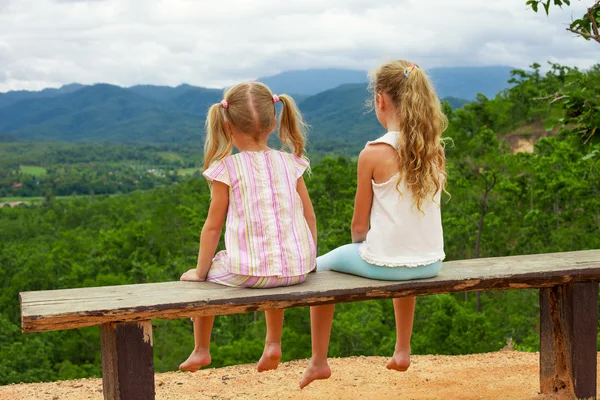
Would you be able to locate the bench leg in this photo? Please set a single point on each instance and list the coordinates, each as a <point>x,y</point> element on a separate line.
<point>568,336</point>
<point>127,363</point>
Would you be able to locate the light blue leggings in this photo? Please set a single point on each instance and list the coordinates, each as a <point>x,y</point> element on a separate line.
<point>346,259</point>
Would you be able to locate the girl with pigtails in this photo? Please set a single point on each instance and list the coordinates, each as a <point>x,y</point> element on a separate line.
<point>260,195</point>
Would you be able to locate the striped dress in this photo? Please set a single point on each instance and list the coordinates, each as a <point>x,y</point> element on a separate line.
<point>267,239</point>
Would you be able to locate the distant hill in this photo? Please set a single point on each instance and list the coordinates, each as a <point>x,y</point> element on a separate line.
<point>9,98</point>
<point>467,82</point>
<point>312,81</point>
<point>148,113</point>
<point>198,100</point>
<point>99,113</point>
<point>161,114</point>
<point>160,93</point>
<point>190,98</point>
<point>456,102</point>
<point>461,82</point>
<point>342,122</point>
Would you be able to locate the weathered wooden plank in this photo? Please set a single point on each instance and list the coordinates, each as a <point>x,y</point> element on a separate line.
<point>568,335</point>
<point>75,308</point>
<point>127,363</point>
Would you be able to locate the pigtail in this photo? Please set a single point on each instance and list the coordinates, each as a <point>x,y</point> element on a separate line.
<point>217,144</point>
<point>292,128</point>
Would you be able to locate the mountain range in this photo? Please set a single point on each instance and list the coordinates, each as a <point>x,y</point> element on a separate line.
<point>461,82</point>
<point>331,100</point>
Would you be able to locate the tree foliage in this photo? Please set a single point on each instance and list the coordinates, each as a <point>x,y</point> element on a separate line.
<point>586,26</point>
<point>503,202</point>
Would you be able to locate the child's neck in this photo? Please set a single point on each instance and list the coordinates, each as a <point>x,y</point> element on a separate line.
<point>253,149</point>
<point>392,124</point>
<point>251,145</point>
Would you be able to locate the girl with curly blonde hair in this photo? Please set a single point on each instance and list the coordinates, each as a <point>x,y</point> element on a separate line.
<point>397,224</point>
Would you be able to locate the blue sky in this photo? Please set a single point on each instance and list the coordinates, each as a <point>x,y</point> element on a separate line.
<point>214,43</point>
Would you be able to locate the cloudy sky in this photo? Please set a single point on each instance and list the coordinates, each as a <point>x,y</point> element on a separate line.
<point>213,43</point>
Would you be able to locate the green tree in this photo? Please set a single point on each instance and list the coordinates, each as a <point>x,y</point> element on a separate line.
<point>586,26</point>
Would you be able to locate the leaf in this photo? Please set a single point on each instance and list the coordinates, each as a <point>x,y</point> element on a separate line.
<point>534,6</point>
<point>567,2</point>
<point>590,155</point>
<point>576,23</point>
<point>547,6</point>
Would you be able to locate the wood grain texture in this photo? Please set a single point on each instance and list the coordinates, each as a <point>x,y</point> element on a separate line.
<point>127,361</point>
<point>76,308</point>
<point>568,336</point>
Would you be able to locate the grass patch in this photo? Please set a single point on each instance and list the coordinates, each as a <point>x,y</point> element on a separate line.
<point>12,199</point>
<point>33,170</point>
<point>37,199</point>
<point>170,156</point>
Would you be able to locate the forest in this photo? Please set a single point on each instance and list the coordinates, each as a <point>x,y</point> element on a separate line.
<point>523,178</point>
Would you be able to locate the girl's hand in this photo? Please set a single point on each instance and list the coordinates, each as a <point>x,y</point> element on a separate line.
<point>192,276</point>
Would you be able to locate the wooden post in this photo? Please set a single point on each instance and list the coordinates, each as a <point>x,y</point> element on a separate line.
<point>127,363</point>
<point>568,336</point>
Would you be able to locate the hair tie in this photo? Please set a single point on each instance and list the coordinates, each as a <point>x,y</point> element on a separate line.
<point>224,104</point>
<point>408,70</point>
<point>275,99</point>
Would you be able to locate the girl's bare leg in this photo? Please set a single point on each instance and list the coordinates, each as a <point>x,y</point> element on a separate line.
<point>404,310</point>
<point>321,318</point>
<point>200,357</point>
<point>272,353</point>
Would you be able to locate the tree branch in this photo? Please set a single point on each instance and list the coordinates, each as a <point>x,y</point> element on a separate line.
<point>473,220</point>
<point>593,19</point>
<point>594,35</point>
<point>555,97</point>
<point>585,35</point>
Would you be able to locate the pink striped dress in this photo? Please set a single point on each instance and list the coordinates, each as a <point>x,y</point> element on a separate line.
<point>267,239</point>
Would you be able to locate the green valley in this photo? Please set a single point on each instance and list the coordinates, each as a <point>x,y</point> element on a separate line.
<point>502,202</point>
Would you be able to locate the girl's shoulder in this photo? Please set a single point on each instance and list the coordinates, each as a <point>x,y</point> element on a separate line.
<point>299,164</point>
<point>377,151</point>
<point>289,157</point>
<point>390,138</point>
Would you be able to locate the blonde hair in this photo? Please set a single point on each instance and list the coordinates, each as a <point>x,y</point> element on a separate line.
<point>251,109</point>
<point>422,162</point>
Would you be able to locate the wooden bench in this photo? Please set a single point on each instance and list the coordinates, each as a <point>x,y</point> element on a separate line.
<point>568,284</point>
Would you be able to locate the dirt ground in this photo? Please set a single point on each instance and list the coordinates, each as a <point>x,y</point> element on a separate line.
<point>502,375</point>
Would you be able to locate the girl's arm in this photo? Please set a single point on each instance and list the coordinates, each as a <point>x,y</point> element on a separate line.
<point>211,232</point>
<point>364,196</point>
<point>309,212</point>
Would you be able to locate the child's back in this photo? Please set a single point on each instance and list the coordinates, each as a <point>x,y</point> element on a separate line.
<point>399,234</point>
<point>266,231</point>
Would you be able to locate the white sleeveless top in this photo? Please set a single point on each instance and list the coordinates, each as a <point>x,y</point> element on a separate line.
<point>400,235</point>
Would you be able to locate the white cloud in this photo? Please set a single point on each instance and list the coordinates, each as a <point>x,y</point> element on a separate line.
<point>215,43</point>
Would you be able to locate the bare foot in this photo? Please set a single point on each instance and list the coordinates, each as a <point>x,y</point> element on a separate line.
<point>314,371</point>
<point>270,358</point>
<point>196,360</point>
<point>400,361</point>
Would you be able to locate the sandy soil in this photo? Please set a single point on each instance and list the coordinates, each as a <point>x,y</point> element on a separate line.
<point>502,375</point>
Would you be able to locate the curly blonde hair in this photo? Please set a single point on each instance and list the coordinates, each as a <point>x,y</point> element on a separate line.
<point>422,161</point>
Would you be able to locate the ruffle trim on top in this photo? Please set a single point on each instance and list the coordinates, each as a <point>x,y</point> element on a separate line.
<point>386,183</point>
<point>362,251</point>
